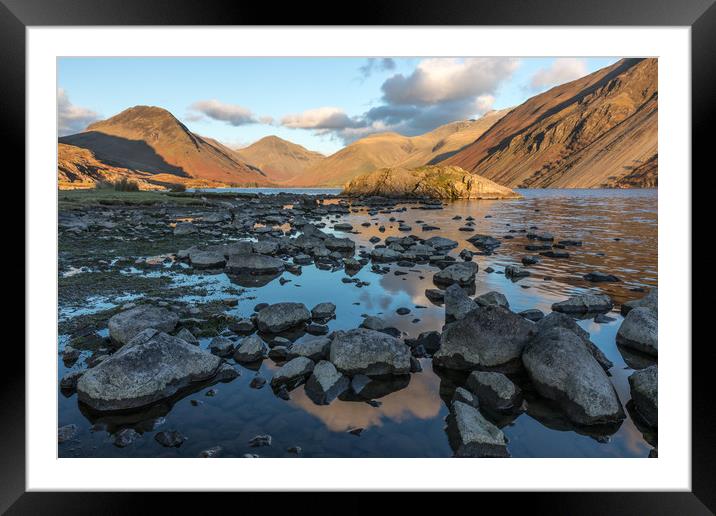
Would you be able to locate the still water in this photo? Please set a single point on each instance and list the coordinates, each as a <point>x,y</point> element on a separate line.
<point>619,233</point>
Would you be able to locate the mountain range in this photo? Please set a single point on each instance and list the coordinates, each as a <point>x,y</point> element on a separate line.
<point>597,131</point>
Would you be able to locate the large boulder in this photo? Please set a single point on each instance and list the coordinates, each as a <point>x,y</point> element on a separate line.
<point>369,352</point>
<point>640,331</point>
<point>326,383</point>
<point>471,435</point>
<point>150,367</point>
<point>563,370</point>
<point>488,337</point>
<point>644,385</point>
<point>457,303</point>
<point>651,300</point>
<point>557,319</point>
<point>207,260</point>
<point>124,326</point>
<point>462,273</point>
<point>282,316</point>
<point>254,264</point>
<point>584,303</point>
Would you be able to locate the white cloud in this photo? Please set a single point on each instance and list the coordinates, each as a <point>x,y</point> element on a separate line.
<point>72,119</point>
<point>447,79</point>
<point>323,118</point>
<point>562,70</point>
<point>230,113</point>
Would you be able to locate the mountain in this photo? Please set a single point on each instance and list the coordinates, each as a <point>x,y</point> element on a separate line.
<point>599,130</point>
<point>151,140</point>
<point>79,168</point>
<point>279,159</point>
<point>394,150</point>
<point>435,181</point>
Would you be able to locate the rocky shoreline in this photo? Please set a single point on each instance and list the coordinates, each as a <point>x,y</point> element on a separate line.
<point>491,357</point>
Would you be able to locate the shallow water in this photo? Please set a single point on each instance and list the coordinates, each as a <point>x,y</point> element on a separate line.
<point>619,233</point>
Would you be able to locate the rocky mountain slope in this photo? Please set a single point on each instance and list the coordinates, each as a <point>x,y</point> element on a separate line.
<point>395,150</point>
<point>151,140</point>
<point>435,181</point>
<point>599,130</point>
<point>279,159</point>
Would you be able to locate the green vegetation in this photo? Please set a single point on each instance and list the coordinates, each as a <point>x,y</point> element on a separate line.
<point>105,196</point>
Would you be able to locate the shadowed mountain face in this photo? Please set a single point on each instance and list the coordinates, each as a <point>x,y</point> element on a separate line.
<point>600,130</point>
<point>395,150</point>
<point>279,159</point>
<point>150,139</point>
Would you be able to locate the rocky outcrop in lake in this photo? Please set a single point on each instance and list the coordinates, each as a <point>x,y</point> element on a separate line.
<point>437,182</point>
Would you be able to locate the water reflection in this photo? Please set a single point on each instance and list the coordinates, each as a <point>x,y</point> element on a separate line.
<point>619,235</point>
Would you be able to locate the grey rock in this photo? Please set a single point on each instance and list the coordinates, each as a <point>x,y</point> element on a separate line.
<point>369,352</point>
<point>383,254</point>
<point>210,453</point>
<point>124,326</point>
<point>644,385</point>
<point>557,319</point>
<point>187,336</point>
<point>326,383</point>
<point>254,264</point>
<point>221,346</point>
<point>465,396</point>
<point>373,322</point>
<point>435,295</point>
<point>323,311</point>
<point>243,326</point>
<point>457,303</point>
<point>151,367</point>
<point>600,277</point>
<point>584,303</point>
<point>260,440</point>
<point>494,390</point>
<point>532,314</point>
<point>293,372</point>
<point>315,349</point>
<point>170,439</point>
<point>206,260</point>
<point>515,272</point>
<point>125,437</point>
<point>492,298</point>
<point>640,331</point>
<point>651,300</point>
<point>184,228</point>
<point>441,243</point>
<point>282,316</point>
<point>563,370</point>
<point>69,381</point>
<point>462,273</point>
<point>488,337</point>
<point>471,435</point>
<point>251,349</point>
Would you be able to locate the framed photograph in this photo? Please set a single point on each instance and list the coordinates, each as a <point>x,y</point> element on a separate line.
<point>417,251</point>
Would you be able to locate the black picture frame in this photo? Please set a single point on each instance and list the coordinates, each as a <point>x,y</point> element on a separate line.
<point>700,15</point>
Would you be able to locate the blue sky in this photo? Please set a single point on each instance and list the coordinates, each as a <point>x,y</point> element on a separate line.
<point>320,103</point>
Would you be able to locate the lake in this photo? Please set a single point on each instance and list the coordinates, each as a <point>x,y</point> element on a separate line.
<point>619,230</point>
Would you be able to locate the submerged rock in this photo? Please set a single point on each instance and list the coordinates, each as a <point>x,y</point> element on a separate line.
<point>282,316</point>
<point>640,331</point>
<point>369,352</point>
<point>124,326</point>
<point>488,337</point>
<point>170,439</point>
<point>644,385</point>
<point>67,433</point>
<point>151,367</point>
<point>563,370</point>
<point>600,277</point>
<point>471,435</point>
